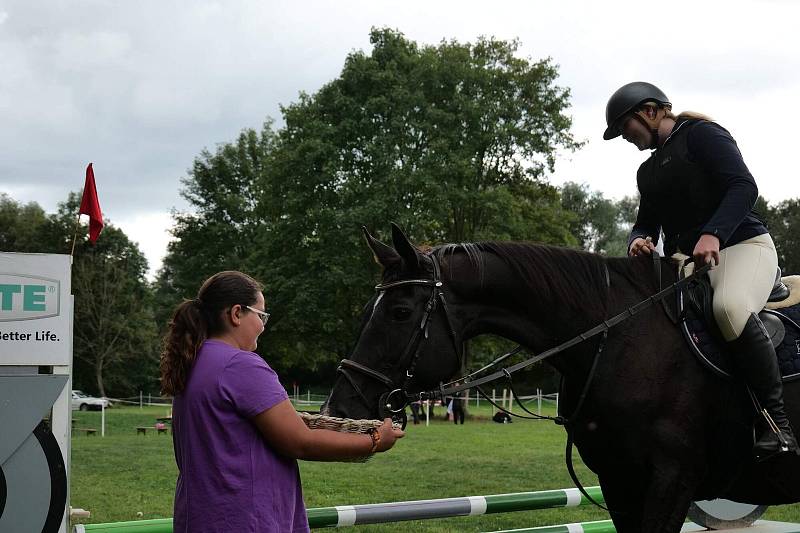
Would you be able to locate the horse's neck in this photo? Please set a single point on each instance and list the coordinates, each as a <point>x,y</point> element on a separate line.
<point>533,310</point>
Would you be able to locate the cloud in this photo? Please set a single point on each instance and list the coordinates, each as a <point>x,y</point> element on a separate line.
<point>149,230</point>
<point>140,88</point>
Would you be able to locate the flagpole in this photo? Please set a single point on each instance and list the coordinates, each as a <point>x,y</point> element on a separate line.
<point>75,237</point>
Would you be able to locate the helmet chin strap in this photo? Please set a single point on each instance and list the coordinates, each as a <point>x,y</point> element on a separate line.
<point>653,129</point>
<point>654,137</point>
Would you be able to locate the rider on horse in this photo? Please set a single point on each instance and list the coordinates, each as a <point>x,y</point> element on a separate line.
<point>696,188</point>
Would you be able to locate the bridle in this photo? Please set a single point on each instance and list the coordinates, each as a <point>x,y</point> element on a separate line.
<point>396,398</point>
<point>394,401</point>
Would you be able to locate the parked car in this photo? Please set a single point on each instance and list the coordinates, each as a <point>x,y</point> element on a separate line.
<point>84,402</point>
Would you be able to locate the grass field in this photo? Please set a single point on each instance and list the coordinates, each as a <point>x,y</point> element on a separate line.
<point>122,474</point>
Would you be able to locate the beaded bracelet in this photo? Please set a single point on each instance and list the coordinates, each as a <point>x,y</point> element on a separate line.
<point>376,438</point>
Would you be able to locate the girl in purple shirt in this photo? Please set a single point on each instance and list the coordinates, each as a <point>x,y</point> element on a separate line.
<point>236,436</point>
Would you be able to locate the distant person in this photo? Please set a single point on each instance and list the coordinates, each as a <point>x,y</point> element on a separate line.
<point>236,436</point>
<point>457,403</point>
<point>696,188</point>
<point>415,412</point>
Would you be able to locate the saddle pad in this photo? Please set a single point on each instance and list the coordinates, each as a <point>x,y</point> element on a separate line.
<point>710,348</point>
<point>793,283</point>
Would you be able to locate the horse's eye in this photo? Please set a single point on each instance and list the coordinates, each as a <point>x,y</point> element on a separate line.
<point>401,313</point>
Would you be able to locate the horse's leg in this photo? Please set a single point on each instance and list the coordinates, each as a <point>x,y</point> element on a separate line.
<point>670,491</point>
<point>652,492</point>
<point>658,506</point>
<point>624,498</point>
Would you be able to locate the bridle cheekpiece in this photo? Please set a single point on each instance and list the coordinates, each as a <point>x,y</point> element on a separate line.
<point>397,398</point>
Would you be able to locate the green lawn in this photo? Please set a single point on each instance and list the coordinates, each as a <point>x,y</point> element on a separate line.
<point>122,474</point>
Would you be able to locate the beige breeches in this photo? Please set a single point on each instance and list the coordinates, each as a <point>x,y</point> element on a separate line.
<point>742,282</point>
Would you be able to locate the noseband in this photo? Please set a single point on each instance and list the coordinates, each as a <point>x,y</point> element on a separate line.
<point>395,399</point>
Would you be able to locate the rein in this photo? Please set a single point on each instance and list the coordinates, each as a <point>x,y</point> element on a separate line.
<point>603,327</point>
<point>398,398</point>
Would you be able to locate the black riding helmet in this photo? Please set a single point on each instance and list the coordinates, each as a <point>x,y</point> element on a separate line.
<point>627,98</point>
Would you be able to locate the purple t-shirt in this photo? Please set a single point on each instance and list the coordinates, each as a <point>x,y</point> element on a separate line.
<point>229,478</point>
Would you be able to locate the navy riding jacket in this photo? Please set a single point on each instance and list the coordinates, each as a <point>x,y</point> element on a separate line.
<point>696,183</point>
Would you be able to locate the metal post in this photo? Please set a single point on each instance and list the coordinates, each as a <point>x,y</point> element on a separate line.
<point>103,419</point>
<point>539,400</point>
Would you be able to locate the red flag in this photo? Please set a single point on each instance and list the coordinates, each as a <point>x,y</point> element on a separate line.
<point>90,205</point>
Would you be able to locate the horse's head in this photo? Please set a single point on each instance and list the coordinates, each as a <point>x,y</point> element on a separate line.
<point>409,340</point>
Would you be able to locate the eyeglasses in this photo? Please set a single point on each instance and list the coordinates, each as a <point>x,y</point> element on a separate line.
<point>264,316</point>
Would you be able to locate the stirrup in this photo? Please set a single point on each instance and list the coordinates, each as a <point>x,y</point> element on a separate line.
<point>784,442</point>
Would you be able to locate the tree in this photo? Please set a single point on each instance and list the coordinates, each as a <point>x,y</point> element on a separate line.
<point>451,141</point>
<point>599,224</point>
<point>223,188</point>
<point>784,225</point>
<point>22,227</point>
<point>113,320</point>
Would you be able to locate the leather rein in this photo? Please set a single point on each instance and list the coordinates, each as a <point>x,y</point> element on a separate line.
<point>397,398</point>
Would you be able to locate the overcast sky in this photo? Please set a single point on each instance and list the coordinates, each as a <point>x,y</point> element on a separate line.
<point>140,88</point>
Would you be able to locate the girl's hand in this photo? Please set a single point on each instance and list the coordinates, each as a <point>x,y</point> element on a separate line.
<point>388,435</point>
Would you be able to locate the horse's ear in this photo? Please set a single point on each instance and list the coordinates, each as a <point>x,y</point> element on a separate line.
<point>404,247</point>
<point>384,255</point>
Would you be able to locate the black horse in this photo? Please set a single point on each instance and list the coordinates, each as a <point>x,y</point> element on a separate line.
<point>656,426</point>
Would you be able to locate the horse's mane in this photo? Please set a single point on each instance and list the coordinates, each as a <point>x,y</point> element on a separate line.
<point>574,278</point>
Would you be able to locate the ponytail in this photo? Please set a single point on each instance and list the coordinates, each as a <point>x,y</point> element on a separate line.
<point>688,115</point>
<point>195,320</point>
<point>188,329</point>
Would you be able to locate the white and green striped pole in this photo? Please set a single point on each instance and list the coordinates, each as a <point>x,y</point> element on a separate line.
<point>376,513</point>
<point>601,526</point>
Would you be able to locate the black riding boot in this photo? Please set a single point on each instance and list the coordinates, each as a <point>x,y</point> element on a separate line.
<point>755,358</point>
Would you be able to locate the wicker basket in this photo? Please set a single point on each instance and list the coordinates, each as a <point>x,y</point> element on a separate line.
<point>342,425</point>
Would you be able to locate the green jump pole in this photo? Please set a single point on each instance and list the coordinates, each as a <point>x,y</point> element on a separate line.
<point>601,526</point>
<point>159,525</point>
<point>377,513</point>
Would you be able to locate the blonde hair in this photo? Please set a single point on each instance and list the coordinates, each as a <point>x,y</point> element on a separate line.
<point>688,115</point>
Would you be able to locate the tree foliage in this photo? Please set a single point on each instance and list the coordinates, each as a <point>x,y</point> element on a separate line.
<point>115,347</point>
<point>224,189</point>
<point>450,141</point>
<point>784,225</point>
<point>601,225</point>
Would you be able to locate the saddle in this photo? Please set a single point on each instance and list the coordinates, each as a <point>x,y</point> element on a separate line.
<point>780,316</point>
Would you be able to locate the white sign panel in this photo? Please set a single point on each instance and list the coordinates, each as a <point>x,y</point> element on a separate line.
<point>34,309</point>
